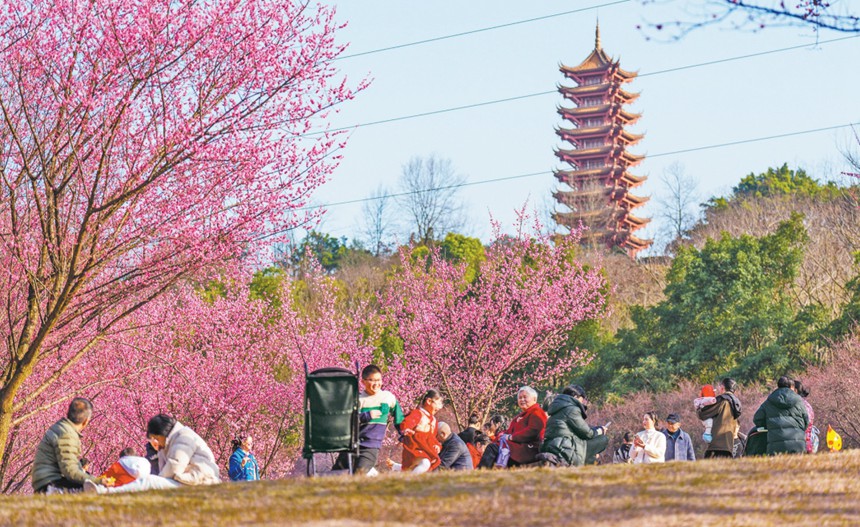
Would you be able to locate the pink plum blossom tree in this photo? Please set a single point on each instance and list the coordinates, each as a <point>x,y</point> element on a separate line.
<point>478,340</point>
<point>225,365</point>
<point>143,142</point>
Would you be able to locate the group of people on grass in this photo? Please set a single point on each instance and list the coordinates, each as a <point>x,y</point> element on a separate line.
<point>553,434</point>
<point>175,456</point>
<point>557,433</point>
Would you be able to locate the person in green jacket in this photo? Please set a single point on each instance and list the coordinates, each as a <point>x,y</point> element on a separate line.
<point>57,465</point>
<point>784,416</point>
<point>567,434</point>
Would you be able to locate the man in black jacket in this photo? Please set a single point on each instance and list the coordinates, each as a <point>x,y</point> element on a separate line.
<point>455,454</point>
<point>784,415</point>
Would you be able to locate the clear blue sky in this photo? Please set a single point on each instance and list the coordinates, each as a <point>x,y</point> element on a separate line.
<point>779,93</point>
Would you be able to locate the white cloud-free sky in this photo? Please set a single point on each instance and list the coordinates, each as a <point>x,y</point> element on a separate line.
<point>812,87</point>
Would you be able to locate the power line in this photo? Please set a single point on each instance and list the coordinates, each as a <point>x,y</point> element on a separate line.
<point>547,172</point>
<point>539,94</point>
<point>480,30</point>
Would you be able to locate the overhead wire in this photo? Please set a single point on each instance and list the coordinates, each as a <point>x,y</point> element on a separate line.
<point>550,92</point>
<point>546,172</point>
<point>480,30</point>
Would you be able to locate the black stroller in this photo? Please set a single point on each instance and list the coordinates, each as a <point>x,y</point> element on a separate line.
<point>331,414</point>
<point>756,442</point>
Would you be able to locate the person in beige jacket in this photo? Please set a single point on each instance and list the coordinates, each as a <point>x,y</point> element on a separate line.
<point>184,458</point>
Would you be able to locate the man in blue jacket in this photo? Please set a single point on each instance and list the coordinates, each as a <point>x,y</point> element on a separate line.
<point>679,446</point>
<point>455,454</point>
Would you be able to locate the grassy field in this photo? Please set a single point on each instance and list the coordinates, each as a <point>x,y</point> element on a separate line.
<point>794,490</point>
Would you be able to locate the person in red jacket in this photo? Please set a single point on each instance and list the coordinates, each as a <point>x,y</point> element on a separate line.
<point>525,433</point>
<point>129,468</point>
<point>420,446</point>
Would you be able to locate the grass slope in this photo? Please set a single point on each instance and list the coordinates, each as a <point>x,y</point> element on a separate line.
<point>791,490</point>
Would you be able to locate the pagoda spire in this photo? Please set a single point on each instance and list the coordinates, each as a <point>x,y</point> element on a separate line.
<point>597,35</point>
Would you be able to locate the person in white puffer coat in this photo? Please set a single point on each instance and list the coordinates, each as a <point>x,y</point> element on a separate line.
<point>184,458</point>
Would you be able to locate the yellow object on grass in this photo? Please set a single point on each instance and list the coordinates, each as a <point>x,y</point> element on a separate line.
<point>834,440</point>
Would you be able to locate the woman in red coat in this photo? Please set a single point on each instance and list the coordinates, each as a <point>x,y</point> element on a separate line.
<point>525,433</point>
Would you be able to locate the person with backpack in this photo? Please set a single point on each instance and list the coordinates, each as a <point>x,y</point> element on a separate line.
<point>784,416</point>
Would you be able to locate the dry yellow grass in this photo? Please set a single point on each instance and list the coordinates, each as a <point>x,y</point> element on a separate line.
<point>791,490</point>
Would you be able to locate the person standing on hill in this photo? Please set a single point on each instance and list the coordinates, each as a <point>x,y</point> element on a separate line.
<point>649,445</point>
<point>679,446</point>
<point>725,413</point>
<point>377,406</point>
<point>786,420</point>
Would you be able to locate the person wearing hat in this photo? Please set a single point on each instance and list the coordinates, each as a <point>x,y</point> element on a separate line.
<point>567,435</point>
<point>679,446</point>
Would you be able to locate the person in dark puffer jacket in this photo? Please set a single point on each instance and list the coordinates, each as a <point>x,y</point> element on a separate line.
<point>784,415</point>
<point>567,433</point>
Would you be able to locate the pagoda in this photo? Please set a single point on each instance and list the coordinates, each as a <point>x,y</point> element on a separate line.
<point>598,160</point>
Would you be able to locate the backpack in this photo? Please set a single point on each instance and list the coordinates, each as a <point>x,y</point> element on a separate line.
<point>814,439</point>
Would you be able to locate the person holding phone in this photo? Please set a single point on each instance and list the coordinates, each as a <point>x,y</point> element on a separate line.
<point>649,445</point>
<point>568,436</point>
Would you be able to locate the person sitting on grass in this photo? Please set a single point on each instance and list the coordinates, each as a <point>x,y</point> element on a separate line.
<point>468,435</point>
<point>526,431</point>
<point>127,468</point>
<point>494,427</point>
<point>784,415</point>
<point>477,449</point>
<point>567,433</point>
<point>420,446</point>
<point>57,465</point>
<point>183,457</point>
<point>455,454</point>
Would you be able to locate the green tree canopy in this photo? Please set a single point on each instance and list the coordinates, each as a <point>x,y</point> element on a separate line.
<point>780,181</point>
<point>728,310</point>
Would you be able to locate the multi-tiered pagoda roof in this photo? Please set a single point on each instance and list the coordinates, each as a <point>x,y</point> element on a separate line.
<point>598,180</point>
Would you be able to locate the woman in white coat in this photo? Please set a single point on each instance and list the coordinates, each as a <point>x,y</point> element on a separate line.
<point>184,458</point>
<point>649,445</point>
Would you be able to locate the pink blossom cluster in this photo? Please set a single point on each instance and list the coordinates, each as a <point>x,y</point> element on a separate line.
<point>478,341</point>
